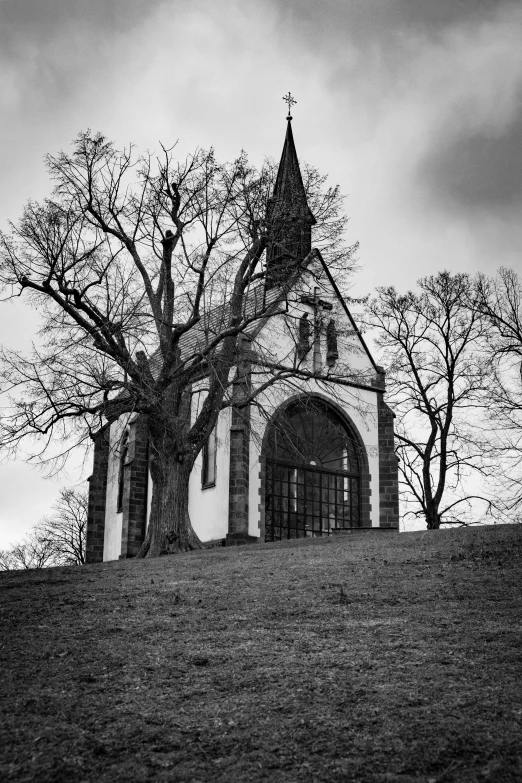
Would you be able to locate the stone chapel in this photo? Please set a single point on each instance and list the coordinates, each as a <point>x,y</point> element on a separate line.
<point>315,459</point>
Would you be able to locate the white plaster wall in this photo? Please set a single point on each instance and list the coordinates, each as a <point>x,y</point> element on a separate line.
<point>365,417</point>
<point>208,508</point>
<point>113,520</point>
<point>149,499</point>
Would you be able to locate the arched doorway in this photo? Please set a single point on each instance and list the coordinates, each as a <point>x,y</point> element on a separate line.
<point>312,473</point>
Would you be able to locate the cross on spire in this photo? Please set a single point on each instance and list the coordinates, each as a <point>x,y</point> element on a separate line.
<point>290,101</point>
<point>288,214</point>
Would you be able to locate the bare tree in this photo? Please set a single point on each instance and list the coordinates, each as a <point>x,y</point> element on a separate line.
<point>499,300</point>
<point>65,529</point>
<point>6,560</point>
<point>149,275</point>
<point>32,552</point>
<point>432,344</point>
<point>58,539</point>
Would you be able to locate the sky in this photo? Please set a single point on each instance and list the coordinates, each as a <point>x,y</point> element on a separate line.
<point>413,106</point>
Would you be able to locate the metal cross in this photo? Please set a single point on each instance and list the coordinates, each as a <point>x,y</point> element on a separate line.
<point>290,101</point>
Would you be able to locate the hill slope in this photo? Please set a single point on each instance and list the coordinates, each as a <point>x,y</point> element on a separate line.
<point>381,658</point>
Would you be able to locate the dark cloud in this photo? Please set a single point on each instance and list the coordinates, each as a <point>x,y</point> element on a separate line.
<point>49,49</point>
<point>432,15</point>
<point>381,21</point>
<point>55,33</point>
<point>482,170</point>
<point>38,16</point>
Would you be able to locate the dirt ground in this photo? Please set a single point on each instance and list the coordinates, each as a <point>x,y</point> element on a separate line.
<point>371,657</point>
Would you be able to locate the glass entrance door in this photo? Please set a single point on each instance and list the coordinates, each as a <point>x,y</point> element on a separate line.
<point>312,474</point>
<point>304,502</point>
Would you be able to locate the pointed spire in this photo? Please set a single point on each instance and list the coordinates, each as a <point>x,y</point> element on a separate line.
<point>289,192</point>
<point>289,217</point>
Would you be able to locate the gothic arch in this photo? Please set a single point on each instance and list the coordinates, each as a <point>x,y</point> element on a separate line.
<point>333,475</point>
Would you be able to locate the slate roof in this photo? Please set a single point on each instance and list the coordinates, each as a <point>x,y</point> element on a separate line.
<point>257,305</point>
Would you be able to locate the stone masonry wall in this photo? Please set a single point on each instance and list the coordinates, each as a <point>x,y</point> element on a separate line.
<point>239,477</point>
<point>239,464</point>
<point>135,489</point>
<point>97,497</point>
<point>388,468</point>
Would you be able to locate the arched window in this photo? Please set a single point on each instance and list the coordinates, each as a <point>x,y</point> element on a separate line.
<point>124,451</point>
<point>312,473</point>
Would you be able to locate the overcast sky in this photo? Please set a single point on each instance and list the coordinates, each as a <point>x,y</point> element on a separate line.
<point>413,106</point>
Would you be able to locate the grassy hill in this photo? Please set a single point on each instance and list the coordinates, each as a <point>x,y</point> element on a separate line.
<point>372,657</point>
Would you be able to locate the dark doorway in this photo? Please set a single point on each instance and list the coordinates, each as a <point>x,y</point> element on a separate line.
<point>312,474</point>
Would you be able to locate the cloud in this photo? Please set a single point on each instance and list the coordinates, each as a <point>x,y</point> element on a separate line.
<point>37,18</point>
<point>46,46</point>
<point>410,104</point>
<point>434,16</point>
<point>473,159</point>
<point>478,171</point>
<point>382,25</point>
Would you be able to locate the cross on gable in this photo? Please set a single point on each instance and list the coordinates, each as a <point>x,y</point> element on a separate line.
<point>318,305</point>
<point>315,302</point>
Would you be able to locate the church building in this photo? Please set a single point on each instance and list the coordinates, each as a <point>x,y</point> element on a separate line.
<point>313,456</point>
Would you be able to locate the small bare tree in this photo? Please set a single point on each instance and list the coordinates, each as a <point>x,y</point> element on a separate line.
<point>58,539</point>
<point>149,275</point>
<point>65,529</point>
<point>32,552</point>
<point>432,344</point>
<point>499,301</point>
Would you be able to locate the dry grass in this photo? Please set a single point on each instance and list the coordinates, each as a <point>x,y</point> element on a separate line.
<point>381,658</point>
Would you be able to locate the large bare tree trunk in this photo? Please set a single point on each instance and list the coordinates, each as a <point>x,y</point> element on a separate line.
<point>432,518</point>
<point>432,499</point>
<point>170,529</point>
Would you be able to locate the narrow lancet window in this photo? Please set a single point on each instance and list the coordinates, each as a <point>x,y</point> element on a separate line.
<point>208,473</point>
<point>332,351</point>
<point>124,451</point>
<point>303,345</point>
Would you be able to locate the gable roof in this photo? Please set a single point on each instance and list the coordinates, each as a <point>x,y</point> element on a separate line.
<point>315,253</point>
<point>378,368</point>
<point>259,306</point>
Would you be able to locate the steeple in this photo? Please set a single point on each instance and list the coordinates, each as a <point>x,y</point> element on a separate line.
<point>289,218</point>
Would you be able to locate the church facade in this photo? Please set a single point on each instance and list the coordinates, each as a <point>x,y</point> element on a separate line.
<point>312,456</point>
